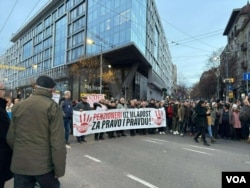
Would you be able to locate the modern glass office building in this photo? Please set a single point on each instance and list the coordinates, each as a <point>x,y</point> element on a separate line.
<point>129,50</point>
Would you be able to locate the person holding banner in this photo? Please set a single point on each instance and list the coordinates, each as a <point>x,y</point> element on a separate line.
<point>112,105</point>
<point>143,105</point>
<point>152,104</point>
<point>82,106</point>
<point>100,107</point>
<point>132,104</point>
<point>121,105</point>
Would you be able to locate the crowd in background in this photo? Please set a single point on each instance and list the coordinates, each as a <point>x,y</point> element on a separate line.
<point>222,121</point>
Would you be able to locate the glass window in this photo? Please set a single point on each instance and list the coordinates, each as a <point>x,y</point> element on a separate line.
<point>61,10</point>
<point>47,43</point>
<point>27,50</point>
<point>47,32</point>
<point>47,21</point>
<point>77,53</point>
<point>39,28</point>
<point>77,39</point>
<point>60,41</point>
<point>78,24</point>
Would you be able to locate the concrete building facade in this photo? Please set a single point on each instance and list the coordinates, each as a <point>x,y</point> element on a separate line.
<point>236,55</point>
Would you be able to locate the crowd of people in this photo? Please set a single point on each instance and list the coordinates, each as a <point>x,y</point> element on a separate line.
<point>39,128</point>
<point>198,118</point>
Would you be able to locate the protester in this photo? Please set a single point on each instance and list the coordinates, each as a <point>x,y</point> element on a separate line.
<point>225,121</point>
<point>101,106</point>
<point>162,130</point>
<point>67,108</point>
<point>82,106</point>
<point>132,105</point>
<point>210,122</point>
<point>121,105</point>
<point>236,123</point>
<point>5,151</point>
<point>143,131</point>
<point>36,136</point>
<point>175,118</point>
<point>245,119</point>
<point>201,121</point>
<point>9,105</point>
<point>152,104</point>
<point>169,114</point>
<point>111,105</point>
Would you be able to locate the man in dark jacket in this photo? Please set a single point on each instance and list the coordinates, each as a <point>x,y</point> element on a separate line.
<point>201,121</point>
<point>67,108</point>
<point>82,106</point>
<point>36,136</point>
<point>5,151</point>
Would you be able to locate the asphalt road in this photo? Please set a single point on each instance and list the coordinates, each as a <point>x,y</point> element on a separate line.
<point>155,161</point>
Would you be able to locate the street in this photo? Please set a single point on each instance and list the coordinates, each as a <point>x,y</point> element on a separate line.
<point>155,161</point>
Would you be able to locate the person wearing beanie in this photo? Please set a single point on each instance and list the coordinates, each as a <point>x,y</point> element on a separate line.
<point>36,136</point>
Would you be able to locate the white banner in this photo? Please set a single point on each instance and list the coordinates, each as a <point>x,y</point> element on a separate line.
<point>89,122</point>
<point>92,98</point>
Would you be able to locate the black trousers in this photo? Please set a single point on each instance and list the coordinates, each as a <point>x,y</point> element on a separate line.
<point>201,131</point>
<point>46,181</point>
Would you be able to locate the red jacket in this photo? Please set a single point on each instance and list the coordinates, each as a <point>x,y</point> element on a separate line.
<point>170,111</point>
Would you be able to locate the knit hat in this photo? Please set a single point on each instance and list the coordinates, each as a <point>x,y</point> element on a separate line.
<point>234,106</point>
<point>45,81</point>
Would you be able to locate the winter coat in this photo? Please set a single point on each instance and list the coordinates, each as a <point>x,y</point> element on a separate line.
<point>236,120</point>
<point>85,106</point>
<point>170,111</point>
<point>67,108</point>
<point>36,135</point>
<point>201,119</point>
<point>5,150</point>
<point>229,116</point>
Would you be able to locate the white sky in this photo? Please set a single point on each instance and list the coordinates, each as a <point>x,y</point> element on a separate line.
<point>196,25</point>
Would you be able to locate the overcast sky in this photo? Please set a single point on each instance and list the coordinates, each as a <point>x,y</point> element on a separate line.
<point>194,29</point>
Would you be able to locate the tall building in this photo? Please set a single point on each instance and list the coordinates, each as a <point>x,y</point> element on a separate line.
<point>235,65</point>
<point>113,47</point>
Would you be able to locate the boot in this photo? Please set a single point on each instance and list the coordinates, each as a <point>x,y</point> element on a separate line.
<point>248,140</point>
<point>206,144</point>
<point>213,140</point>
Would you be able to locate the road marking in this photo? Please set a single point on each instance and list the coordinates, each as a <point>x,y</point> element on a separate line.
<point>203,148</point>
<point>141,181</point>
<point>158,139</point>
<point>197,151</point>
<point>152,141</point>
<point>92,158</point>
<point>247,162</point>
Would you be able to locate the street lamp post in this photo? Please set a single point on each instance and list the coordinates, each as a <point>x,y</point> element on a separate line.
<point>89,41</point>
